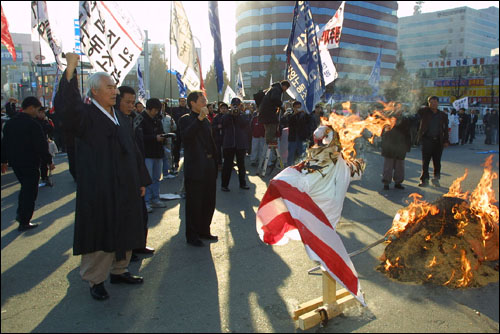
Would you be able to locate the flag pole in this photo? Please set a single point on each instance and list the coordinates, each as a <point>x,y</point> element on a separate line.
<point>40,51</point>
<point>170,49</point>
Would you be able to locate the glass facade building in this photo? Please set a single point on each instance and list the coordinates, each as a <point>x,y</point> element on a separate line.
<point>263,29</point>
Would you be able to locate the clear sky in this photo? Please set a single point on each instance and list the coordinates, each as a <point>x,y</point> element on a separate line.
<point>154,17</point>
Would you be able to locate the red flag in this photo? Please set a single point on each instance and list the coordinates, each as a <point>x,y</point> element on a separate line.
<point>202,85</point>
<point>6,38</point>
<point>307,207</point>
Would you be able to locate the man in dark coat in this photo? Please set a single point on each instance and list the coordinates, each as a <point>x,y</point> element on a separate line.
<point>200,170</point>
<point>177,113</point>
<point>25,148</point>
<point>299,130</point>
<point>433,135</point>
<point>108,215</point>
<point>269,110</point>
<point>395,144</point>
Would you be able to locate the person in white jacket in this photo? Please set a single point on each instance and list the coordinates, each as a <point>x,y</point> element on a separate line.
<point>453,123</point>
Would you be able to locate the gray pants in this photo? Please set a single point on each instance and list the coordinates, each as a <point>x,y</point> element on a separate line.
<point>96,267</point>
<point>390,165</point>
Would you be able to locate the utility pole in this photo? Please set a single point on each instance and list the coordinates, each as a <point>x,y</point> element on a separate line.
<point>146,65</point>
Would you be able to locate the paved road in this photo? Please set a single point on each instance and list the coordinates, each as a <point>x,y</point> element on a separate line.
<point>238,284</point>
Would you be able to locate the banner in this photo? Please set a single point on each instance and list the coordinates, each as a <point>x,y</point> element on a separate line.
<point>181,85</point>
<point>462,103</point>
<point>228,95</point>
<point>40,23</point>
<point>213,18</point>
<point>374,79</point>
<point>240,87</point>
<point>141,92</point>
<point>182,38</point>
<point>329,35</point>
<point>110,38</point>
<point>304,69</point>
<point>7,38</point>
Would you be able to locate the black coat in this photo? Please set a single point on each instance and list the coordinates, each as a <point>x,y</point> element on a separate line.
<point>150,128</point>
<point>268,107</point>
<point>108,215</point>
<point>24,144</point>
<point>425,116</point>
<point>397,141</point>
<point>299,125</point>
<point>236,131</point>
<point>198,144</point>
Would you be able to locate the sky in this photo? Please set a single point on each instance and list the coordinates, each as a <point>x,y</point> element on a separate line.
<point>154,16</point>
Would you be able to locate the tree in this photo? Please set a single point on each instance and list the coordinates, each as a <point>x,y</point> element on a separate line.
<point>417,9</point>
<point>211,84</point>
<point>158,74</point>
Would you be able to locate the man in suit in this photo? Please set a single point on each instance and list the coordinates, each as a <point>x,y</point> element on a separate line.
<point>433,134</point>
<point>200,170</point>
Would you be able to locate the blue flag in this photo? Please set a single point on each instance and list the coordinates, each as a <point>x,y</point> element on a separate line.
<point>374,80</point>
<point>213,18</point>
<point>303,69</point>
<point>181,85</point>
<point>141,92</point>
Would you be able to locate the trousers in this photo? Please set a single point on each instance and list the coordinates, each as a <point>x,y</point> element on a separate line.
<point>394,169</point>
<point>96,266</point>
<point>28,178</point>
<point>431,149</point>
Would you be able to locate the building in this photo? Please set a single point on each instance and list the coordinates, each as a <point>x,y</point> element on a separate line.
<point>263,29</point>
<point>458,33</point>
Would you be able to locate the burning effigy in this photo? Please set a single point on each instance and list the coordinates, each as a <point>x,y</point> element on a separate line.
<point>453,241</point>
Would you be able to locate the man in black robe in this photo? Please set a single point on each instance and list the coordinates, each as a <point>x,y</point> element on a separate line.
<point>109,215</point>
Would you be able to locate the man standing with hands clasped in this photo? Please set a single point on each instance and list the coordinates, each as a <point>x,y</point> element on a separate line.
<point>200,170</point>
<point>109,214</point>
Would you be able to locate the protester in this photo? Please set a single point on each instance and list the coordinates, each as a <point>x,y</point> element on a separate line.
<point>139,107</point>
<point>453,123</point>
<point>177,113</point>
<point>395,144</point>
<point>299,130</point>
<point>48,128</point>
<point>25,149</point>
<point>169,126</point>
<point>108,215</point>
<point>493,125</point>
<point>200,170</point>
<point>258,142</point>
<point>464,123</point>
<point>10,107</point>
<point>235,142</point>
<point>269,110</point>
<point>433,135</point>
<point>125,105</point>
<point>471,132</point>
<point>153,137</point>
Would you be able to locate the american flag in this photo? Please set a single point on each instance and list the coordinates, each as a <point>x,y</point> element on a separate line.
<point>302,205</point>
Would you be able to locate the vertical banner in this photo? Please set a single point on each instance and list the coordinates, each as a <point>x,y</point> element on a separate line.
<point>7,38</point>
<point>141,92</point>
<point>329,35</point>
<point>240,87</point>
<point>78,48</point>
<point>213,19</point>
<point>374,79</point>
<point>110,38</point>
<point>40,24</point>
<point>304,69</point>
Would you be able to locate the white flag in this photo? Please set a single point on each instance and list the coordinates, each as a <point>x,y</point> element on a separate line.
<point>40,24</point>
<point>329,70</point>
<point>462,103</point>
<point>240,87</point>
<point>329,35</point>
<point>141,92</point>
<point>228,95</point>
<point>271,80</point>
<point>182,38</point>
<point>110,38</point>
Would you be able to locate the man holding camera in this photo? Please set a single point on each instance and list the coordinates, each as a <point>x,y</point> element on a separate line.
<point>153,136</point>
<point>236,127</point>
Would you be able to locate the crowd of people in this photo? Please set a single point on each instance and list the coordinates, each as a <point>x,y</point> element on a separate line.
<point>119,150</point>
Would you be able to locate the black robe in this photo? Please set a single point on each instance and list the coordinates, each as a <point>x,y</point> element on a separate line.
<point>108,214</point>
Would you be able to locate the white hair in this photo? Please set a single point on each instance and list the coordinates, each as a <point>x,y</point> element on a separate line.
<point>94,82</point>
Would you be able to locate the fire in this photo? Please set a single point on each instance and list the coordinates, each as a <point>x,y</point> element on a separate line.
<point>413,214</point>
<point>427,238</point>
<point>456,189</point>
<point>466,269</point>
<point>432,263</point>
<point>452,275</point>
<point>351,127</point>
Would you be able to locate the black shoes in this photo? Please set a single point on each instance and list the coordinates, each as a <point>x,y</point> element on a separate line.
<point>386,187</point>
<point>245,187</point>
<point>98,292</point>
<point>209,237</point>
<point>25,227</point>
<point>399,186</point>
<point>125,278</point>
<point>226,189</point>
<point>435,182</point>
<point>423,183</point>
<point>196,243</point>
<point>145,250</point>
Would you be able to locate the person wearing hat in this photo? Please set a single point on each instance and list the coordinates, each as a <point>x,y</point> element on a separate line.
<point>236,128</point>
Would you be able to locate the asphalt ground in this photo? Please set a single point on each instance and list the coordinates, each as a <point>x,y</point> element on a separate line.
<point>238,284</point>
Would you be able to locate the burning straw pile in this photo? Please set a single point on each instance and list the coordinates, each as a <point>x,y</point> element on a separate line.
<point>453,241</point>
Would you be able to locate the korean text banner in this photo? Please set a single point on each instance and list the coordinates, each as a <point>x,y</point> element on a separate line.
<point>304,70</point>
<point>110,38</point>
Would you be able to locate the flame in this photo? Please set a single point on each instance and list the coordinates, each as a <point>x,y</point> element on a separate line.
<point>351,127</point>
<point>452,275</point>
<point>427,238</point>
<point>456,189</point>
<point>432,263</point>
<point>413,214</point>
<point>387,265</point>
<point>466,269</point>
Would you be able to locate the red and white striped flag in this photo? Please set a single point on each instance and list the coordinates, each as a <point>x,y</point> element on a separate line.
<point>306,206</point>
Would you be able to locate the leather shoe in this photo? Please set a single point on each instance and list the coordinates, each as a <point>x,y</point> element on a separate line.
<point>399,186</point>
<point>226,189</point>
<point>145,250</point>
<point>125,278</point>
<point>245,187</point>
<point>209,237</point>
<point>134,257</point>
<point>25,227</point>
<point>196,243</point>
<point>98,292</point>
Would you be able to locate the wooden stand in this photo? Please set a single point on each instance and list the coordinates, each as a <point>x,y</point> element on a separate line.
<point>331,304</point>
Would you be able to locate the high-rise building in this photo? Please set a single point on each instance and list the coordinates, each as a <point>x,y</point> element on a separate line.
<point>458,33</point>
<point>263,29</point>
